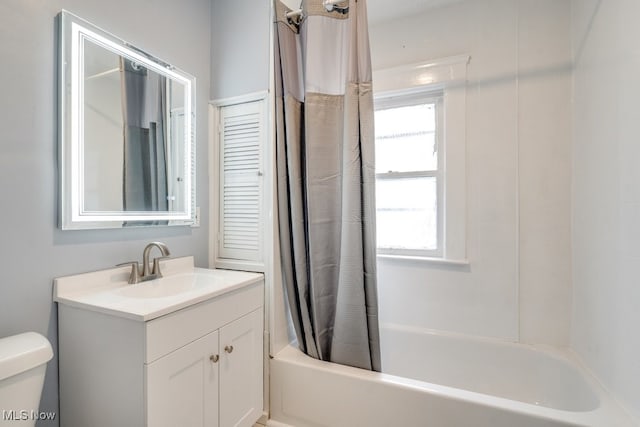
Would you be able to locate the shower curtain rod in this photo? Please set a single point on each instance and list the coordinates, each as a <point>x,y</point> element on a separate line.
<point>328,4</point>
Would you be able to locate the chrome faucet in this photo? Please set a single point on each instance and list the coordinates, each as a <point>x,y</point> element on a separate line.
<point>136,275</point>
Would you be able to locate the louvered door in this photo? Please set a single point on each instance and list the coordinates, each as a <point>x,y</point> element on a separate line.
<point>241,225</point>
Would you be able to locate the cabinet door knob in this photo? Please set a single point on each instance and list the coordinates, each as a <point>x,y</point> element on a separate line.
<point>214,358</point>
<point>228,349</point>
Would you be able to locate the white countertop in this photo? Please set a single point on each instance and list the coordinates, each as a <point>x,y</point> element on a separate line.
<point>183,285</point>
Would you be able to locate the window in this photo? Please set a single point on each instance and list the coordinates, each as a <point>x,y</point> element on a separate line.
<point>421,160</point>
<point>409,178</point>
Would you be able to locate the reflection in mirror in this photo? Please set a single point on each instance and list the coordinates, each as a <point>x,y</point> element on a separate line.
<point>126,133</point>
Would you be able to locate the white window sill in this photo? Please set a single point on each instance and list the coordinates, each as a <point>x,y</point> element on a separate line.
<point>424,259</point>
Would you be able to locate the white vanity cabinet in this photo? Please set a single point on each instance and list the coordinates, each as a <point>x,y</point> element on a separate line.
<point>213,381</point>
<point>182,387</point>
<point>200,365</point>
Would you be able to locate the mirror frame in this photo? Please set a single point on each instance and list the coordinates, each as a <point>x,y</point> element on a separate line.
<point>73,32</point>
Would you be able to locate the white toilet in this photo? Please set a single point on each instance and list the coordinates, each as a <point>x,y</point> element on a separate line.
<point>23,361</point>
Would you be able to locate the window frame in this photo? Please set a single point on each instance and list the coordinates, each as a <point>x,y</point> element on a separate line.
<point>448,75</point>
<point>433,96</point>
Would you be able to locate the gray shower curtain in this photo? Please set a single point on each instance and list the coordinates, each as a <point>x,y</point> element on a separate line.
<point>144,107</point>
<point>325,168</point>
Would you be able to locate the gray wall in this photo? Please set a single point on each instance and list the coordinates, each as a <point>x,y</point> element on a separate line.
<point>32,249</point>
<point>239,47</point>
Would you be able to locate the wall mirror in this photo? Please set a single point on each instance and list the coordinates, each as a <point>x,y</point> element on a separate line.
<point>126,123</point>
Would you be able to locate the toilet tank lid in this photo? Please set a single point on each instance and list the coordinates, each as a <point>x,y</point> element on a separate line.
<point>19,353</point>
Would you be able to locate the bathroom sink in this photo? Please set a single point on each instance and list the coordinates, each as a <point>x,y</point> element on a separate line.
<point>168,286</point>
<point>183,285</point>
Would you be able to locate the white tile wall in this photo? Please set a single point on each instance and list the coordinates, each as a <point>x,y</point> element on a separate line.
<point>544,138</point>
<point>518,285</point>
<point>606,196</point>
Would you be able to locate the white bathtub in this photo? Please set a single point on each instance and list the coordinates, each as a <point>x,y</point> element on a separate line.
<point>436,380</point>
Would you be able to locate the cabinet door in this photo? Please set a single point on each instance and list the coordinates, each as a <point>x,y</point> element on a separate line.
<point>242,135</point>
<point>241,371</point>
<point>182,387</point>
